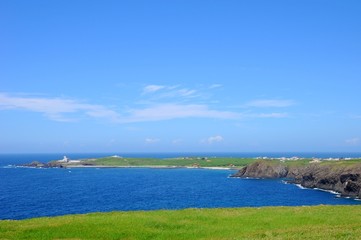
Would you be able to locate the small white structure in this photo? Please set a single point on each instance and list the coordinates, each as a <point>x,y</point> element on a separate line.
<point>65,160</point>
<point>315,160</point>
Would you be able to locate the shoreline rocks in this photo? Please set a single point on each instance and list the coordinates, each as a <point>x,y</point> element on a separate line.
<point>36,164</point>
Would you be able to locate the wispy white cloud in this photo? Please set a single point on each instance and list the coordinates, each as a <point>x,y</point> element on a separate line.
<point>151,140</point>
<point>56,108</point>
<point>158,92</point>
<point>161,112</point>
<point>269,103</point>
<point>213,139</point>
<point>177,141</point>
<point>268,115</point>
<point>173,111</point>
<point>177,94</point>
<point>215,86</point>
<point>64,109</point>
<point>152,88</point>
<point>186,92</point>
<point>353,141</point>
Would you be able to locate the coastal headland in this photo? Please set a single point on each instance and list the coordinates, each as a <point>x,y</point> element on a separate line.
<point>342,176</point>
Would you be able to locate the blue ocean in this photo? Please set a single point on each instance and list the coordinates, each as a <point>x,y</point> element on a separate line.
<point>31,192</point>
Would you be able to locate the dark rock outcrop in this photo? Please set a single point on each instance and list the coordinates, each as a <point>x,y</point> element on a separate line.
<point>263,169</point>
<point>34,164</point>
<point>344,179</point>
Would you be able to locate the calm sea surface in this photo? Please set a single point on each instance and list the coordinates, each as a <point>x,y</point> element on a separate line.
<point>30,192</point>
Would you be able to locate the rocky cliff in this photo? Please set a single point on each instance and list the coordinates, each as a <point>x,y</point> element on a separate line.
<point>263,169</point>
<point>342,178</point>
<point>37,164</point>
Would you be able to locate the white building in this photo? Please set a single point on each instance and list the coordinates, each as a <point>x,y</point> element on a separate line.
<point>65,160</point>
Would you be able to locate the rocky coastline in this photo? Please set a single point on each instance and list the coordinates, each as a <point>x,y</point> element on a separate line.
<point>36,164</point>
<point>344,179</point>
<point>340,177</point>
<point>58,164</point>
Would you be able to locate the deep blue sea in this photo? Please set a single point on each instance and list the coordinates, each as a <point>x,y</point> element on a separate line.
<point>31,192</point>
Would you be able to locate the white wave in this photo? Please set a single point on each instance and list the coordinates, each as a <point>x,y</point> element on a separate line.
<point>338,195</point>
<point>217,168</point>
<point>9,166</point>
<point>300,186</point>
<point>329,191</point>
<point>251,178</point>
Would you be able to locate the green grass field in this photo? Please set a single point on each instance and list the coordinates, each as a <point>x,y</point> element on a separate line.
<point>318,222</point>
<point>209,162</point>
<point>200,162</point>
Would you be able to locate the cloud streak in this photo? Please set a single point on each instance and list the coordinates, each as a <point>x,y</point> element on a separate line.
<point>214,139</point>
<point>215,86</point>
<point>56,108</point>
<point>174,111</point>
<point>65,110</point>
<point>268,115</point>
<point>353,141</point>
<point>151,140</point>
<point>152,88</point>
<point>157,92</point>
<point>269,103</point>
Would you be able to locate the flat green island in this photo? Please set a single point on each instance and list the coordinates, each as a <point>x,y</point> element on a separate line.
<point>189,162</point>
<point>171,162</point>
<point>316,222</point>
<point>116,161</point>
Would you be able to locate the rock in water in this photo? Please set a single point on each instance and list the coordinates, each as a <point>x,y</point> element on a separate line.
<point>34,164</point>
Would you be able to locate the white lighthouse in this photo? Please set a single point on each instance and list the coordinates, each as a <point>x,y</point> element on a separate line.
<point>65,159</point>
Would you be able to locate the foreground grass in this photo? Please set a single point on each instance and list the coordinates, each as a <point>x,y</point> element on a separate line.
<point>318,222</point>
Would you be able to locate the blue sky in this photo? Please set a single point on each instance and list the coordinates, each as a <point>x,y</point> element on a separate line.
<point>180,76</point>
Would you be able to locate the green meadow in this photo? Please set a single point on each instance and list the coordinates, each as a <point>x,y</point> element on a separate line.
<point>205,162</point>
<point>316,222</point>
<point>179,162</point>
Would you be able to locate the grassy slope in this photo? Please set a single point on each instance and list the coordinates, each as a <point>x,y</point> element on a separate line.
<point>211,162</point>
<point>344,163</point>
<point>305,162</point>
<point>320,222</point>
